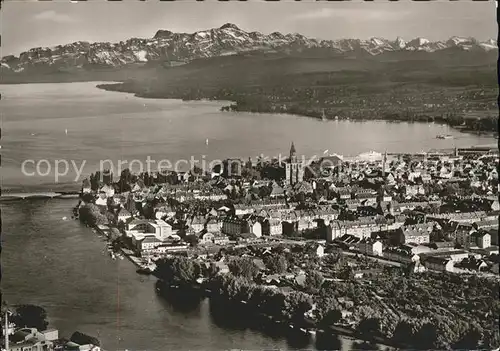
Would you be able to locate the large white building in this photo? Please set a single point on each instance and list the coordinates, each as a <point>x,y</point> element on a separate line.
<point>140,228</point>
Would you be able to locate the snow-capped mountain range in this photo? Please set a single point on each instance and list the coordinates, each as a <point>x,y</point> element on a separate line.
<point>225,40</point>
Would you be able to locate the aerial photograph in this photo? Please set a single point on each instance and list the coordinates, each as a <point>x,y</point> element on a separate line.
<point>204,175</point>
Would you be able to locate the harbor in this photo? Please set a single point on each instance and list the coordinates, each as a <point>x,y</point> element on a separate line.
<point>119,252</point>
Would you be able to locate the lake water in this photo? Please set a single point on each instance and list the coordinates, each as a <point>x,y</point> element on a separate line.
<point>104,125</point>
<point>61,265</point>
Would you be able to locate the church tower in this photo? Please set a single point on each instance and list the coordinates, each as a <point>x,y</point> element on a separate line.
<point>294,169</point>
<point>293,153</point>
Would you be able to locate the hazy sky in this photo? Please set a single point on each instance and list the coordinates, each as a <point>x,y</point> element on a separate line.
<point>30,23</point>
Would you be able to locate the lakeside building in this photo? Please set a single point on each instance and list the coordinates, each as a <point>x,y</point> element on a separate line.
<point>159,228</point>
<point>30,339</point>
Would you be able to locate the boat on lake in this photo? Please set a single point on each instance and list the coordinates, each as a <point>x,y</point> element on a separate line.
<point>323,116</point>
<point>441,136</point>
<point>144,270</point>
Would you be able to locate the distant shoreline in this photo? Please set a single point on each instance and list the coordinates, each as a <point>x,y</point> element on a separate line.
<point>234,107</point>
<point>115,86</point>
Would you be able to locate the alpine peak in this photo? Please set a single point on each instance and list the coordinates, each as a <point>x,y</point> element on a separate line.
<point>229,26</point>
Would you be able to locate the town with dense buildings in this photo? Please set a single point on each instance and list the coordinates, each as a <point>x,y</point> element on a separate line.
<point>381,247</point>
<point>355,229</point>
<point>402,207</point>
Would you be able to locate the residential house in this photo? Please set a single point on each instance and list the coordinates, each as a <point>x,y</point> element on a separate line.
<point>327,215</point>
<point>472,264</point>
<point>441,264</point>
<point>234,226</point>
<point>454,255</point>
<point>367,272</point>
<point>367,197</point>
<point>277,191</point>
<point>416,233</point>
<point>361,228</point>
<point>256,229</point>
<point>494,205</point>
<point>123,215</point>
<point>86,186</point>
<point>395,222</point>
<point>344,193</point>
<point>221,239</point>
<point>30,339</point>
<point>101,201</point>
<point>461,217</point>
<point>440,245</point>
<point>319,250</point>
<point>305,223</point>
<point>168,248</point>
<point>370,247</point>
<point>138,186</point>
<point>352,204</point>
<point>220,267</point>
<point>486,224</point>
<point>147,244</point>
<point>425,177</point>
<point>303,187</point>
<point>272,227</point>
<point>206,238</point>
<point>390,179</point>
<point>214,225</point>
<point>414,190</point>
<point>109,190</point>
<point>242,209</point>
<point>462,232</point>
<point>404,254</point>
<point>404,206</point>
<point>212,195</point>
<point>384,196</point>
<point>196,224</point>
<point>164,212</point>
<point>481,238</point>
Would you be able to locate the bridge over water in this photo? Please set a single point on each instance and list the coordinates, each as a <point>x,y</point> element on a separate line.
<point>36,195</point>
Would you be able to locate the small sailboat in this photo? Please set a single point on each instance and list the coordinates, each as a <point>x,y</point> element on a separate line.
<point>323,116</point>
<point>206,142</point>
<point>441,136</point>
<point>66,131</point>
